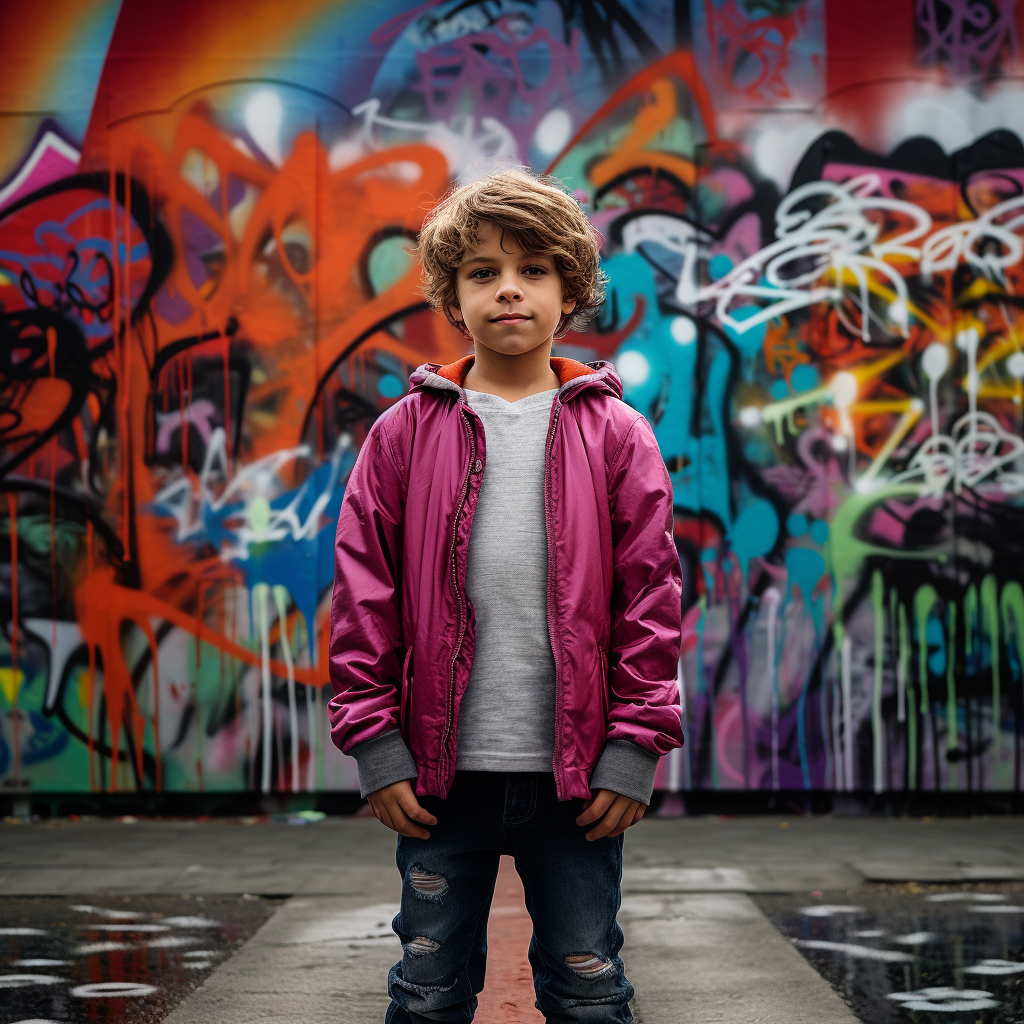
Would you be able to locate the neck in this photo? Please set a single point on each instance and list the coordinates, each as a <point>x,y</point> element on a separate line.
<point>512,376</point>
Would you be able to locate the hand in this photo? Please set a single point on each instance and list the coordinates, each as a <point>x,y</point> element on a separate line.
<point>397,807</point>
<point>616,814</point>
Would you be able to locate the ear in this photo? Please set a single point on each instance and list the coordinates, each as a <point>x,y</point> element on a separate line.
<point>568,306</point>
<point>453,314</point>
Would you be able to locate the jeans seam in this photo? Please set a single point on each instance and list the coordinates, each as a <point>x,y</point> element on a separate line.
<point>524,818</point>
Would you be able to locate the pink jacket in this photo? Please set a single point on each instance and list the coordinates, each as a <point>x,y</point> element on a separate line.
<point>402,630</point>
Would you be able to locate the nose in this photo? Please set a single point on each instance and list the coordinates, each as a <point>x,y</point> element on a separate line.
<point>508,289</point>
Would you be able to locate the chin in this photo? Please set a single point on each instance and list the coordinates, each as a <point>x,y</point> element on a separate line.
<point>511,346</point>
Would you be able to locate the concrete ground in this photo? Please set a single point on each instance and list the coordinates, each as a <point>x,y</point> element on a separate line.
<point>697,948</point>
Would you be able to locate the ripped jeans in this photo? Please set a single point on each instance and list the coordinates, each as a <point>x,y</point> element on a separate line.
<point>572,893</point>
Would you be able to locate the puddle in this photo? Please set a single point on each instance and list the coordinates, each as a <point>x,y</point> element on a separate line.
<point>917,953</point>
<point>123,959</point>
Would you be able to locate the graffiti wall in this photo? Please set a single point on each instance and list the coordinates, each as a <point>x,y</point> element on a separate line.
<point>813,224</point>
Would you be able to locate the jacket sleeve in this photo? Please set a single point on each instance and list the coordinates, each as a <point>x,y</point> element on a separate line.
<point>646,607</point>
<point>366,650</point>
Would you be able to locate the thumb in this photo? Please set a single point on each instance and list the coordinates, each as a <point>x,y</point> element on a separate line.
<point>408,802</point>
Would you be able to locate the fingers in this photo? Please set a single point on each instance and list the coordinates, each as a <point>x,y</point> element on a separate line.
<point>380,812</point>
<point>404,825</point>
<point>612,817</point>
<point>620,815</point>
<point>597,807</point>
<point>397,808</point>
<point>628,819</point>
<point>412,809</point>
<point>393,815</point>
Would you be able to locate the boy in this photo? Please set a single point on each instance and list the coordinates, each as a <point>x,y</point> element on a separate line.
<point>505,626</point>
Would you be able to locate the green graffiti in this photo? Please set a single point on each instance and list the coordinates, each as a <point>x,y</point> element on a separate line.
<point>924,601</point>
<point>849,551</point>
<point>877,727</point>
<point>1012,607</point>
<point>990,613</point>
<point>970,618</point>
<point>911,711</point>
<point>36,534</point>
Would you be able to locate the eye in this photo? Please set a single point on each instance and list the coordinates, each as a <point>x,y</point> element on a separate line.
<point>534,271</point>
<point>483,274</point>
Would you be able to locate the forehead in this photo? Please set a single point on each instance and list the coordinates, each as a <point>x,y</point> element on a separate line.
<point>492,238</point>
<point>494,242</point>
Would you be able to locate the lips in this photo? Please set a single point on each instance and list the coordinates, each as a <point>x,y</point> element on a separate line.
<point>516,318</point>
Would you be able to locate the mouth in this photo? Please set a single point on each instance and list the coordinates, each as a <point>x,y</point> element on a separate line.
<point>510,318</point>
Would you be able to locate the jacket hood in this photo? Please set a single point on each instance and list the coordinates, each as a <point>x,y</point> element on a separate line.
<point>573,375</point>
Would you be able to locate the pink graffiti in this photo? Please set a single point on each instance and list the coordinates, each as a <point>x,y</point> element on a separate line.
<point>969,36</point>
<point>888,526</point>
<point>729,737</point>
<point>814,487</point>
<point>491,64</point>
<point>198,413</point>
<point>50,160</point>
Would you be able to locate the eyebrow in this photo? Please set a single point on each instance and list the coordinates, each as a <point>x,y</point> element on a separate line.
<point>493,259</point>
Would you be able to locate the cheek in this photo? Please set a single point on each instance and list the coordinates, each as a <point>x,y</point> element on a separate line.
<point>553,295</point>
<point>468,299</point>
<point>470,302</point>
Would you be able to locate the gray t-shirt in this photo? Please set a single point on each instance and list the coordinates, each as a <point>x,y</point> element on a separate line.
<point>507,716</point>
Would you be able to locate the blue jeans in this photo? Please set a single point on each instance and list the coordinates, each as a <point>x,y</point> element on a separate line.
<point>572,893</point>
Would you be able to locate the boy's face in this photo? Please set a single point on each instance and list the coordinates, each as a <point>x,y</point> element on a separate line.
<point>510,301</point>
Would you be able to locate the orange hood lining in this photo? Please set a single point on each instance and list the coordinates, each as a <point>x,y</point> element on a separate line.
<point>567,369</point>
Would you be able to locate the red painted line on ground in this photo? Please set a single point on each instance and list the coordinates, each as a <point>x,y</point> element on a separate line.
<point>508,996</point>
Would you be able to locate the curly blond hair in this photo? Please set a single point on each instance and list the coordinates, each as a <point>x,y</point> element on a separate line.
<point>542,219</point>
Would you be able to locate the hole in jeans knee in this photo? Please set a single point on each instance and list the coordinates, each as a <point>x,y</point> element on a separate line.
<point>428,885</point>
<point>587,965</point>
<point>421,946</point>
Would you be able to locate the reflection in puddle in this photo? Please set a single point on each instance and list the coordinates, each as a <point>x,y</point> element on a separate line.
<point>913,952</point>
<point>116,960</point>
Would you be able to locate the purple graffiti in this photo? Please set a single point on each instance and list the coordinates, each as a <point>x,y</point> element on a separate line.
<point>508,62</point>
<point>198,413</point>
<point>968,36</point>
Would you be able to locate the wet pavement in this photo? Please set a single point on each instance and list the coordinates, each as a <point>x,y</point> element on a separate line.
<point>913,952</point>
<point>698,948</point>
<point>127,959</point>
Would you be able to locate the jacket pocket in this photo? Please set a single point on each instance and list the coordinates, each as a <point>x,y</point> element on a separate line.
<point>405,705</point>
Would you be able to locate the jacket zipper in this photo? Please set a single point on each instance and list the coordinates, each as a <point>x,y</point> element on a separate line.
<point>556,765</point>
<point>450,710</point>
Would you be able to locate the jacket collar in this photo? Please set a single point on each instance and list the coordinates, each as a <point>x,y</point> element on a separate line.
<point>573,376</point>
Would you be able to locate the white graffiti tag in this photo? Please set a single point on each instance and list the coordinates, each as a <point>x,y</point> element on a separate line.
<point>977,449</point>
<point>829,248</point>
<point>989,244</point>
<point>827,237</point>
<point>461,141</point>
<point>254,486</point>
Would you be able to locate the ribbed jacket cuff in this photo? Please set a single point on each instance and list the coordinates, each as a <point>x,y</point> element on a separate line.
<point>626,768</point>
<point>382,761</point>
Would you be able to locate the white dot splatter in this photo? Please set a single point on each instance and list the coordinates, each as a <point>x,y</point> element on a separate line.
<point>633,368</point>
<point>684,330</point>
<point>553,131</point>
